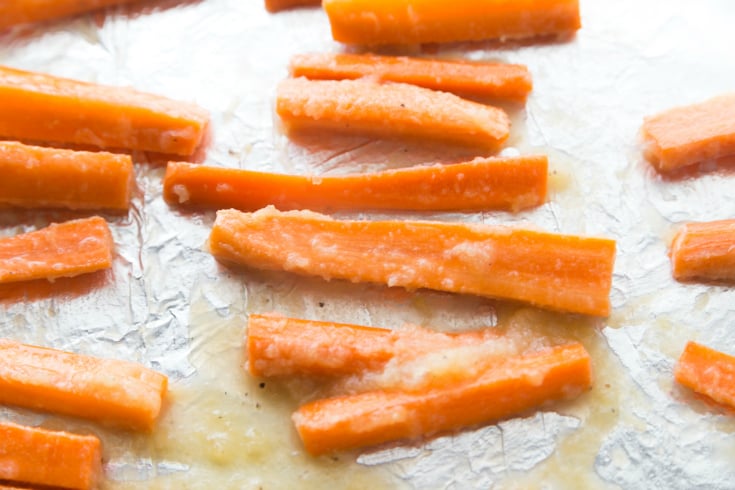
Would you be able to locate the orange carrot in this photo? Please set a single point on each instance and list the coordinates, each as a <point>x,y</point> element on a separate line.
<point>510,183</point>
<point>34,456</point>
<point>708,372</point>
<point>35,177</point>
<point>567,273</point>
<point>506,389</point>
<point>278,5</point>
<point>429,21</point>
<point>19,12</point>
<point>704,251</point>
<point>60,250</point>
<point>389,110</point>
<point>691,134</point>
<point>117,392</point>
<point>485,79</point>
<point>42,107</point>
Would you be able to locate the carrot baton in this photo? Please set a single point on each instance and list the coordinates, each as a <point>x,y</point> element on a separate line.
<point>42,107</point>
<point>116,392</point>
<point>389,110</point>
<point>53,459</point>
<point>504,390</point>
<point>506,183</point>
<point>561,272</point>
<point>484,79</point>
<point>704,251</point>
<point>19,12</point>
<point>278,5</point>
<point>708,372</point>
<point>428,21</point>
<point>691,134</point>
<point>36,177</point>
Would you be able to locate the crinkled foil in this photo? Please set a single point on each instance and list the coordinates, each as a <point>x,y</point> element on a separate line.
<point>166,303</point>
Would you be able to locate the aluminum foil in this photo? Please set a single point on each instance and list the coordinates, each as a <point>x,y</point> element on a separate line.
<point>168,304</point>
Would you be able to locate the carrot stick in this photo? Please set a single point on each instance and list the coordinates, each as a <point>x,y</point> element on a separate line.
<point>35,456</point>
<point>515,385</point>
<point>508,183</point>
<point>429,21</point>
<point>59,250</point>
<point>42,107</point>
<point>485,79</point>
<point>704,251</point>
<point>567,273</point>
<point>389,110</point>
<point>19,12</point>
<point>35,177</point>
<point>278,5</point>
<point>117,392</point>
<point>691,134</point>
<point>708,372</point>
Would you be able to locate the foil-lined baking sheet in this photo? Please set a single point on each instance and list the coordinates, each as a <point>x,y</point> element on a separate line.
<point>168,304</point>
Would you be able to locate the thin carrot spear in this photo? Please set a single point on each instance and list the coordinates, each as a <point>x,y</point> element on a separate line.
<point>704,251</point>
<point>707,371</point>
<point>19,12</point>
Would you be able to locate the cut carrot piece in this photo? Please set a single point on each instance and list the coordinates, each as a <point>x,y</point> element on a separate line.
<point>19,12</point>
<point>506,389</point>
<point>42,107</point>
<point>429,21</point>
<point>278,5</point>
<point>708,372</point>
<point>60,250</point>
<point>117,392</point>
<point>389,110</point>
<point>511,183</point>
<point>485,79</point>
<point>704,251</point>
<point>35,177</point>
<point>35,456</point>
<point>567,273</point>
<point>691,134</point>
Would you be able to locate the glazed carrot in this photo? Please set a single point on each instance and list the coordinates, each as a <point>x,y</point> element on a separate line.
<point>59,250</point>
<point>708,372</point>
<point>117,392</point>
<point>35,177</point>
<point>34,456</point>
<point>19,12</point>
<point>429,21</point>
<point>389,110</point>
<point>42,107</point>
<point>567,273</point>
<point>504,390</point>
<point>704,251</point>
<point>485,79</point>
<point>278,5</point>
<point>508,183</point>
<point>691,134</point>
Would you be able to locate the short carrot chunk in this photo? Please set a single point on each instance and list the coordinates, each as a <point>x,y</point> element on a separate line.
<point>278,5</point>
<point>505,183</point>
<point>505,389</point>
<point>484,79</point>
<point>45,108</point>
<point>704,251</point>
<point>20,12</point>
<point>36,177</point>
<point>691,134</point>
<point>708,372</point>
<point>430,21</point>
<point>34,456</point>
<point>561,272</point>
<point>389,110</point>
<point>60,250</point>
<point>117,392</point>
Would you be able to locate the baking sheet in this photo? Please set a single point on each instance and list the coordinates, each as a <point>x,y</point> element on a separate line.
<point>168,304</point>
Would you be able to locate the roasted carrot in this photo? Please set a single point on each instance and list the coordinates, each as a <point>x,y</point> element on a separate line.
<point>36,177</point>
<point>503,390</point>
<point>561,272</point>
<point>42,107</point>
<point>117,392</point>
<point>19,12</point>
<point>691,134</point>
<point>708,372</point>
<point>389,110</point>
<point>53,459</point>
<point>59,250</point>
<point>704,251</point>
<point>508,183</point>
<point>484,79</point>
<point>428,21</point>
<point>278,5</point>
